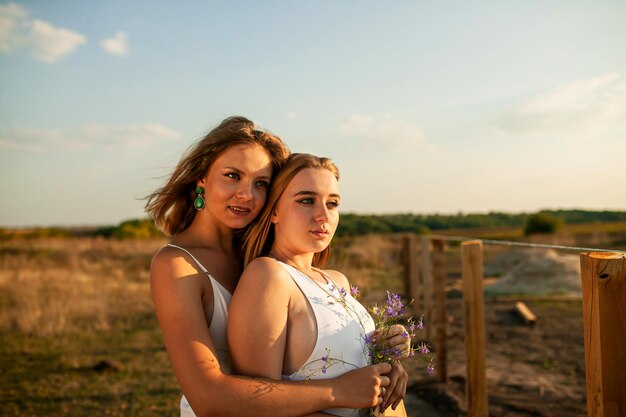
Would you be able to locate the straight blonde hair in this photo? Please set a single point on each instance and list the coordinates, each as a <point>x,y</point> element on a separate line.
<point>259,237</point>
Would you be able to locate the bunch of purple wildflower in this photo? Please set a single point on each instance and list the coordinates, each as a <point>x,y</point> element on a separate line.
<point>394,312</point>
<point>376,346</point>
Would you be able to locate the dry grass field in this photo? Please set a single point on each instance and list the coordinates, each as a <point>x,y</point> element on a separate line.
<point>52,286</point>
<point>78,336</point>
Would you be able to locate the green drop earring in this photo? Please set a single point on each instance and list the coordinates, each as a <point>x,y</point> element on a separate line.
<point>199,203</point>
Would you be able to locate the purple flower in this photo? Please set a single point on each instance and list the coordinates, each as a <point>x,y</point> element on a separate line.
<point>430,368</point>
<point>420,324</point>
<point>323,370</point>
<point>423,348</point>
<point>343,292</point>
<point>392,297</point>
<point>394,307</point>
<point>354,291</point>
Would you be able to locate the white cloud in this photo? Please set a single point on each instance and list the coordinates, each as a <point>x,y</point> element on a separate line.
<point>117,45</point>
<point>85,138</point>
<point>11,15</point>
<point>25,147</point>
<point>40,39</point>
<point>385,130</point>
<point>585,108</point>
<point>137,136</point>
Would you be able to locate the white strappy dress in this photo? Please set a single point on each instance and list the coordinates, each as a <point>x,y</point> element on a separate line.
<point>340,345</point>
<point>217,329</point>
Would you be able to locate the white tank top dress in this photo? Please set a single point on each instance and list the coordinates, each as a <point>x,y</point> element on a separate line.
<point>217,329</point>
<point>342,324</point>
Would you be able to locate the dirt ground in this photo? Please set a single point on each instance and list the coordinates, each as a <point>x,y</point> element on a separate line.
<point>531,370</point>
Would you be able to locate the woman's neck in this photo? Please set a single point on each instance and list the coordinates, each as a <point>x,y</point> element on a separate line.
<point>301,261</point>
<point>208,234</point>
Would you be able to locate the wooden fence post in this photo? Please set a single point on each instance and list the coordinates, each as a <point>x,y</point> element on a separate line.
<point>411,287</point>
<point>440,316</point>
<point>427,285</point>
<point>473,300</point>
<point>603,276</point>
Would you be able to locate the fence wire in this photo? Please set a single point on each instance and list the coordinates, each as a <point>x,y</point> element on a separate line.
<point>523,244</point>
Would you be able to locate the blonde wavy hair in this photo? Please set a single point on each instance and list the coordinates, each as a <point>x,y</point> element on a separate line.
<point>259,237</point>
<point>171,206</point>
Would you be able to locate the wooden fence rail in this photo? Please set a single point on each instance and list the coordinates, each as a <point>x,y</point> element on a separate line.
<point>411,273</point>
<point>604,319</point>
<point>424,285</point>
<point>440,315</point>
<point>427,285</point>
<point>474,308</point>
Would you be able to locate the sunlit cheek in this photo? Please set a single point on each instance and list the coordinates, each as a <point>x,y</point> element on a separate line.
<point>260,194</point>
<point>334,221</point>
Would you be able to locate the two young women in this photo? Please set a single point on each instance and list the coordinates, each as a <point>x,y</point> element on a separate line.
<point>227,174</point>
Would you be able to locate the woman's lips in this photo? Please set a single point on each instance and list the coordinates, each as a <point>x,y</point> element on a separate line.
<point>319,233</point>
<point>240,211</point>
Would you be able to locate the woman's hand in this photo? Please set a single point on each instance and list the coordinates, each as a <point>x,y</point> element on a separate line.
<point>363,387</point>
<point>396,390</point>
<point>396,337</point>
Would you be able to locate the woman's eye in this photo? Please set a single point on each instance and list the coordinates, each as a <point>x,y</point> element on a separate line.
<point>306,201</point>
<point>333,204</point>
<point>262,184</point>
<point>232,175</point>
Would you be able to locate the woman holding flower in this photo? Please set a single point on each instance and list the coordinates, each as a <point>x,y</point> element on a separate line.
<point>289,319</point>
<point>214,193</point>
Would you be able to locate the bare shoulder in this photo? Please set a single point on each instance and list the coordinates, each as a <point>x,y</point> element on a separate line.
<point>264,271</point>
<point>165,257</point>
<point>171,264</point>
<point>264,263</point>
<point>339,278</point>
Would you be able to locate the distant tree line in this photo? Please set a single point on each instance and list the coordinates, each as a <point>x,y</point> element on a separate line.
<point>358,224</point>
<point>352,224</point>
<point>130,229</point>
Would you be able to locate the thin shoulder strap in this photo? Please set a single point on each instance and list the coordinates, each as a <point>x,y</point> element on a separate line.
<point>328,277</point>
<point>192,257</point>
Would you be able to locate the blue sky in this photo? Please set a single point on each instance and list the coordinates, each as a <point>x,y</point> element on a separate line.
<point>425,106</point>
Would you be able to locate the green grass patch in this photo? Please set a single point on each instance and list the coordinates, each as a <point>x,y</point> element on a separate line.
<point>59,375</point>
